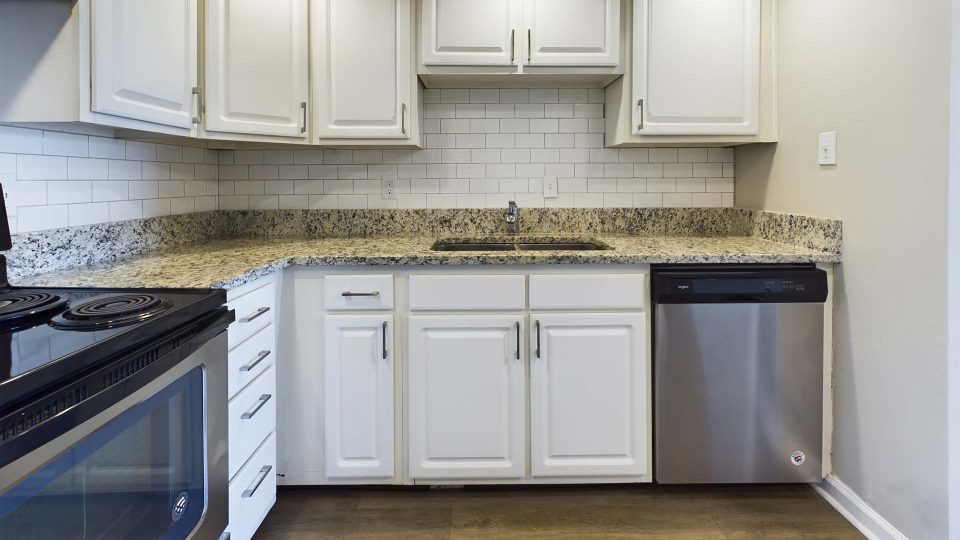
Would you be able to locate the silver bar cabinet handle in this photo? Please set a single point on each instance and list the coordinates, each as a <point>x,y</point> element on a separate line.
<point>384,340</point>
<point>349,293</point>
<point>261,476</point>
<point>518,340</point>
<point>199,116</point>
<point>529,44</point>
<point>260,311</point>
<point>403,118</point>
<point>260,356</point>
<point>513,41</point>
<point>640,110</point>
<point>256,408</point>
<point>537,324</point>
<point>303,109</point>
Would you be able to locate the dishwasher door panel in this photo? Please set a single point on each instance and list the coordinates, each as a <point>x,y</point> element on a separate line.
<point>738,392</point>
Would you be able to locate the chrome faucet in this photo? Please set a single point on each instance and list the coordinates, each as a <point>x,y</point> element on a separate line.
<point>512,217</point>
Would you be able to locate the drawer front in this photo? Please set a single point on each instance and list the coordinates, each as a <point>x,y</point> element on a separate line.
<point>253,491</point>
<point>251,358</point>
<point>609,291</point>
<point>254,311</point>
<point>467,292</point>
<point>358,292</point>
<point>253,416</point>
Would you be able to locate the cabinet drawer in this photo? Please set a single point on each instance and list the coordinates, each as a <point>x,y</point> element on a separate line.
<point>253,416</point>
<point>253,491</point>
<point>467,292</point>
<point>251,358</point>
<point>254,310</point>
<point>358,292</point>
<point>611,291</point>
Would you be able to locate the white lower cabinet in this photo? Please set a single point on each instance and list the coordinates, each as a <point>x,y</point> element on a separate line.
<point>466,394</point>
<point>589,394</point>
<point>358,396</point>
<point>253,491</point>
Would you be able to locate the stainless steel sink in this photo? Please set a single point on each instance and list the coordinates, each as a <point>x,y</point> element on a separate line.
<point>520,245</point>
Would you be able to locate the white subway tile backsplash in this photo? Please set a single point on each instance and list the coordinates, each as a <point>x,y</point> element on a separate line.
<point>482,147</point>
<point>64,144</point>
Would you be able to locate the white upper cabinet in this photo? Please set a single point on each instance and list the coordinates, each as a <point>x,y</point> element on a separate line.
<point>470,32</point>
<point>257,67</point>
<point>589,395</point>
<point>520,33</point>
<point>144,60</point>
<point>572,32</point>
<point>466,393</point>
<point>696,67</point>
<point>362,68</point>
<point>358,396</point>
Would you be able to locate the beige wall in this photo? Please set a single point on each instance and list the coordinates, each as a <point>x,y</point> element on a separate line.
<point>877,72</point>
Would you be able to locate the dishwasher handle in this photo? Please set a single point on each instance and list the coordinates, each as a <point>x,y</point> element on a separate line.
<point>739,284</point>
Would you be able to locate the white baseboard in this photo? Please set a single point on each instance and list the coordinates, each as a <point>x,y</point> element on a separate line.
<point>857,512</point>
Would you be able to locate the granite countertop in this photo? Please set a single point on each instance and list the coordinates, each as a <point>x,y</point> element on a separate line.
<point>231,263</point>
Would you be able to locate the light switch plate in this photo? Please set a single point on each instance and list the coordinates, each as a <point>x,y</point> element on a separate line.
<point>389,187</point>
<point>549,187</point>
<point>827,148</point>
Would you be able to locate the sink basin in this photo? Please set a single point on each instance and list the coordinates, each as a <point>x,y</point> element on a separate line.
<point>472,246</point>
<point>524,245</point>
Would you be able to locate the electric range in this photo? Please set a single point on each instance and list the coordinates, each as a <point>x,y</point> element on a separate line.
<point>113,411</point>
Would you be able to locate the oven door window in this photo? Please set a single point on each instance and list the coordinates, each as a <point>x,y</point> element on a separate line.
<point>140,476</point>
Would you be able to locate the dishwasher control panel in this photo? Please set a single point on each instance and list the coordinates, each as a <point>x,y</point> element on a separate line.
<point>715,284</point>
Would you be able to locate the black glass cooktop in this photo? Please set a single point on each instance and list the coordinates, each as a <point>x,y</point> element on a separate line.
<point>48,335</point>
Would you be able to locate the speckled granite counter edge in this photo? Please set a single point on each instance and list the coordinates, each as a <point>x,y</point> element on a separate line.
<point>58,249</point>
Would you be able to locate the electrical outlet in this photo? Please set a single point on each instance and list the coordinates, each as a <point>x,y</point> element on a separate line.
<point>827,148</point>
<point>549,187</point>
<point>8,201</point>
<point>389,187</point>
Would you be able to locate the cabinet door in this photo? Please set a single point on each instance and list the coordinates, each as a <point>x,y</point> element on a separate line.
<point>362,68</point>
<point>144,60</point>
<point>572,32</point>
<point>470,32</point>
<point>589,395</point>
<point>358,395</point>
<point>696,67</point>
<point>466,397</point>
<point>257,67</point>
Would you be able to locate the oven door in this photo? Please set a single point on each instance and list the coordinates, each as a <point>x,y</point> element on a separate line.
<point>151,465</point>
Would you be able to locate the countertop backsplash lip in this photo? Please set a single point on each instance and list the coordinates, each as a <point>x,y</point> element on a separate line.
<point>55,250</point>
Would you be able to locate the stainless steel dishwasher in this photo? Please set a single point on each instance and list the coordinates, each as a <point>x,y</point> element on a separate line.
<point>738,373</point>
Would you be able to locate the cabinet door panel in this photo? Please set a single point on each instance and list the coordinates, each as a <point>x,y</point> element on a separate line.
<point>572,32</point>
<point>144,59</point>
<point>470,32</point>
<point>466,397</point>
<point>358,396</point>
<point>589,395</point>
<point>257,66</point>
<point>362,68</point>
<point>696,67</point>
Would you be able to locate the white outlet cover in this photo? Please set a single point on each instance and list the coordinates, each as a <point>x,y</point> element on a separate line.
<point>827,148</point>
<point>388,186</point>
<point>549,187</point>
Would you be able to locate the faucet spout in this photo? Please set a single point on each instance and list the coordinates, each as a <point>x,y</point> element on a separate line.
<point>512,218</point>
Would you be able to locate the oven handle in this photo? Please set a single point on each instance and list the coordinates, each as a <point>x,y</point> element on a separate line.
<point>213,325</point>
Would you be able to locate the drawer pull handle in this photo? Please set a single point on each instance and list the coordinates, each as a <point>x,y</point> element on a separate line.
<point>349,294</point>
<point>261,476</point>
<point>259,312</point>
<point>256,408</point>
<point>257,360</point>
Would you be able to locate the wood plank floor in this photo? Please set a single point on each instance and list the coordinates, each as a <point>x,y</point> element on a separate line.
<point>568,512</point>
